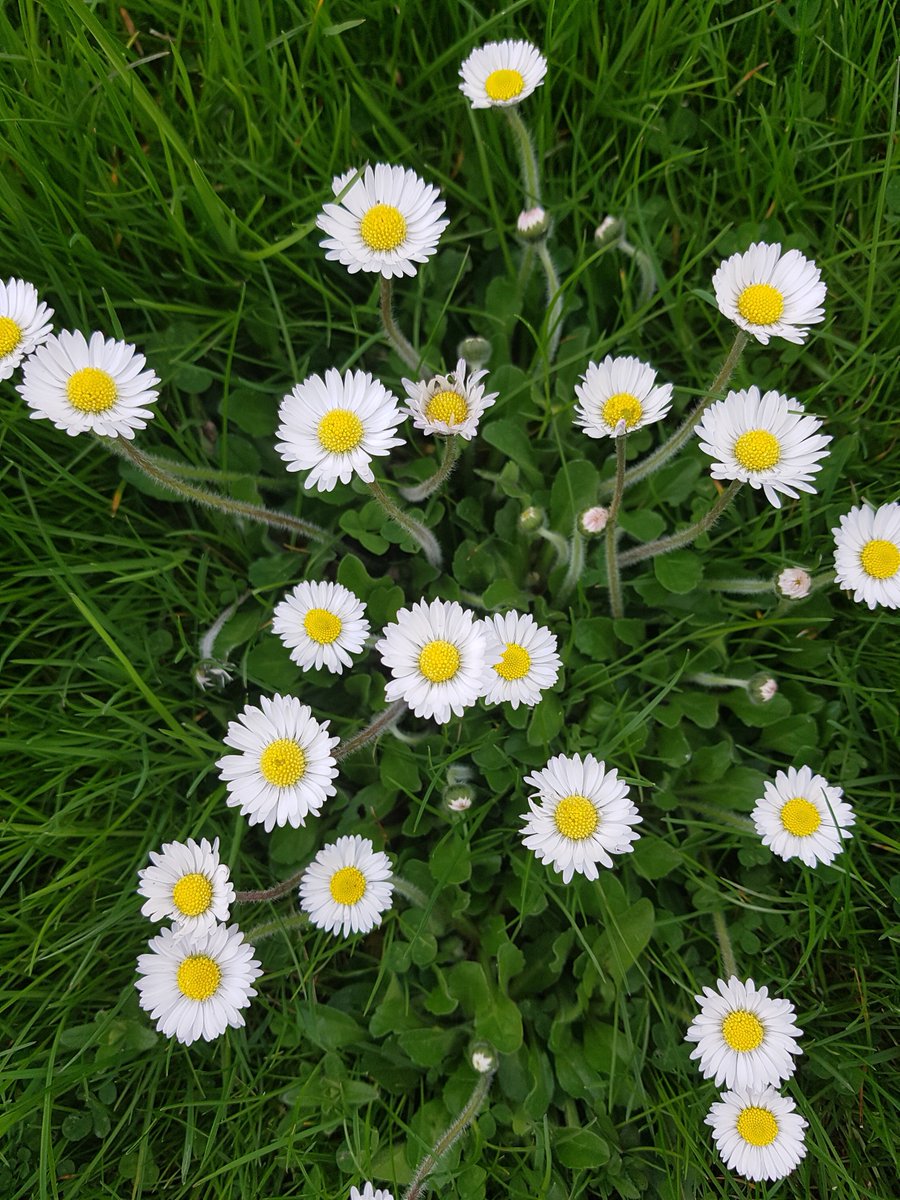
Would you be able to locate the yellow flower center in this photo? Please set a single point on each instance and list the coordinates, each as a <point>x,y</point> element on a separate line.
<point>757,1126</point>
<point>282,763</point>
<point>192,894</point>
<point>760,304</point>
<point>623,407</point>
<point>576,818</point>
<point>383,227</point>
<point>199,977</point>
<point>504,84</point>
<point>800,818</point>
<point>742,1031</point>
<point>340,430</point>
<point>448,407</point>
<point>10,336</point>
<point>439,661</point>
<point>348,885</point>
<point>91,390</point>
<point>322,626</point>
<point>879,559</point>
<point>515,663</point>
<point>757,450</point>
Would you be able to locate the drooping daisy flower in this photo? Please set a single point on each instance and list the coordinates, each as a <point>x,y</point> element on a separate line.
<point>500,74</point>
<point>448,404</point>
<point>766,441</point>
<point>435,653</point>
<point>285,769</point>
<point>802,816</point>
<point>867,554</point>
<point>347,886</point>
<point>794,583</point>
<point>386,221</point>
<point>334,427</point>
<point>770,294</point>
<point>99,385</point>
<point>521,659</point>
<point>758,1132</point>
<point>322,624</point>
<point>584,816</point>
<point>619,389</point>
<point>187,884</point>
<point>195,985</point>
<point>24,323</point>
<point>370,1193</point>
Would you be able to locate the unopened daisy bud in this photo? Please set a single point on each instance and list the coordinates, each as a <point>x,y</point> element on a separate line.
<point>794,583</point>
<point>533,224</point>
<point>531,519</point>
<point>458,773</point>
<point>484,1059</point>
<point>761,688</point>
<point>593,520</point>
<point>458,798</point>
<point>610,229</point>
<point>475,350</point>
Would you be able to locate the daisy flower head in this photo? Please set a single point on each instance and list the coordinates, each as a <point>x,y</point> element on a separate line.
<point>583,816</point>
<point>285,767</point>
<point>334,427</point>
<point>758,1132</point>
<point>322,624</point>
<point>616,390</point>
<point>449,404</point>
<point>867,554</point>
<point>24,323</point>
<point>384,220</point>
<point>770,294</point>
<point>195,985</point>
<point>98,385</point>
<point>794,583</point>
<point>802,816</point>
<point>501,74</point>
<point>521,659</point>
<point>188,885</point>
<point>765,440</point>
<point>370,1193</point>
<point>347,886</point>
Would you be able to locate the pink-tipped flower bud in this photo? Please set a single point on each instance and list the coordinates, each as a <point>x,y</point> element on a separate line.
<point>533,224</point>
<point>794,583</point>
<point>761,688</point>
<point>593,520</point>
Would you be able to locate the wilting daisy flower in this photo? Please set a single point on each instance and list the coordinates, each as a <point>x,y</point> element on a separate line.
<point>322,624</point>
<point>386,221</point>
<point>521,659</point>
<point>194,985</point>
<point>286,766</point>
<point>24,323</point>
<point>100,385</point>
<point>619,389</point>
<point>435,653</point>
<point>794,583</point>
<point>867,554</point>
<point>584,816</point>
<point>766,441</point>
<point>370,1193</point>
<point>802,816</point>
<point>500,74</point>
<point>334,427</point>
<point>758,1132</point>
<point>347,886</point>
<point>188,885</point>
<point>448,404</point>
<point>770,294</point>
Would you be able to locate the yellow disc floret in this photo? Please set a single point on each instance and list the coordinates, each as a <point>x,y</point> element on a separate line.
<point>576,818</point>
<point>760,304</point>
<point>879,559</point>
<point>623,407</point>
<point>439,661</point>
<point>800,818</point>
<point>10,336</point>
<point>282,763</point>
<point>322,626</point>
<point>199,977</point>
<point>448,407</point>
<point>91,390</point>
<point>742,1031</point>
<point>515,663</point>
<point>504,84</point>
<point>192,894</point>
<point>757,1126</point>
<point>383,227</point>
<point>340,430</point>
<point>348,885</point>
<point>757,450</point>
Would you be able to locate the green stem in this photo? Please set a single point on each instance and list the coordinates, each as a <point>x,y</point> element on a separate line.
<point>617,608</point>
<point>450,1135</point>
<point>676,540</point>
<point>401,344</point>
<point>421,491</point>
<point>414,528</point>
<point>259,932</point>
<point>531,180</point>
<point>729,963</point>
<point>745,587</point>
<point>557,541</point>
<point>706,679</point>
<point>525,269</point>
<point>375,728</point>
<point>554,300</point>
<point>273,893</point>
<point>576,564</point>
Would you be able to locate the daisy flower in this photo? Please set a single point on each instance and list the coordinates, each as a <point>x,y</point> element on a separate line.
<point>100,385</point>
<point>584,816</point>
<point>619,389</point>
<point>448,404</point>
<point>802,816</point>
<point>347,887</point>
<point>188,885</point>
<point>521,659</point>
<point>770,294</point>
<point>766,441</point>
<point>322,624</point>
<point>386,221</point>
<point>286,766</point>
<point>24,323</point>
<point>334,427</point>
<point>794,583</point>
<point>435,653</point>
<point>370,1193</point>
<point>500,74</point>
<point>867,554</point>
<point>758,1132</point>
<point>194,986</point>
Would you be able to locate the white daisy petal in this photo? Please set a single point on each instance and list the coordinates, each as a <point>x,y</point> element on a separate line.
<point>501,74</point>
<point>867,554</point>
<point>347,887</point>
<point>322,624</point>
<point>758,1132</point>
<point>770,294</point>
<point>188,885</point>
<point>619,389</point>
<point>370,1193</point>
<point>802,816</point>
<point>794,583</point>
<point>448,404</point>
<point>521,660</point>
<point>24,323</point>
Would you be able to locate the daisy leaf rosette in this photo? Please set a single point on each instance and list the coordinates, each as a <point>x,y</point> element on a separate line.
<point>867,554</point>
<point>616,390</point>
<point>24,323</point>
<point>347,887</point>
<point>758,1133</point>
<point>322,625</point>
<point>770,294</point>
<point>521,659</point>
<point>802,816</point>
<point>187,884</point>
<point>449,404</point>
<point>502,74</point>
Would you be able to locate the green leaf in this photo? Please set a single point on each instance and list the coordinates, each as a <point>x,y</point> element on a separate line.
<point>253,412</point>
<point>653,858</point>
<point>574,489</point>
<point>429,1047</point>
<point>625,938</point>
<point>546,721</point>
<point>580,1148</point>
<point>594,637</point>
<point>512,438</point>
<point>678,572</point>
<point>327,1027</point>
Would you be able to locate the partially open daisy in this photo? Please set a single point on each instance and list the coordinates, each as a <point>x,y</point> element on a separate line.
<point>347,886</point>
<point>100,385</point>
<point>187,884</point>
<point>758,1132</point>
<point>370,1193</point>
<point>766,441</point>
<point>794,583</point>
<point>867,554</point>
<point>194,985</point>
<point>802,816</point>
<point>770,294</point>
<point>448,404</point>
<point>619,389</point>
<point>500,74</point>
<point>583,817</point>
<point>24,323</point>
<point>285,767</point>
<point>521,659</point>
<point>386,221</point>
<point>322,624</point>
<point>334,427</point>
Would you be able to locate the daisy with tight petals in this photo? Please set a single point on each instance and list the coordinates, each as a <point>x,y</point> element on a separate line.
<point>521,659</point>
<point>334,427</point>
<point>619,389</point>
<point>188,885</point>
<point>385,220</point>
<point>347,887</point>
<point>370,1193</point>
<point>770,294</point>
<point>583,816</point>
<point>767,441</point>
<point>285,767</point>
<point>867,554</point>
<point>802,816</point>
<point>448,404</point>
<point>500,74</point>
<point>322,624</point>
<point>98,386</point>
<point>24,323</point>
<point>195,985</point>
<point>436,654</point>
<point>794,583</point>
<point>758,1132</point>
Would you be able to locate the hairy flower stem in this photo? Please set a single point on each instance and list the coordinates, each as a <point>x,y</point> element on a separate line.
<point>614,581</point>
<point>266,928</point>
<point>414,528</point>
<point>676,540</point>
<point>554,301</point>
<point>743,587</point>
<point>421,491</point>
<point>373,730</point>
<point>576,564</point>
<point>452,1134</point>
<point>531,179</point>
<point>399,341</point>
<point>525,269</point>
<point>273,893</point>
<point>208,641</point>
<point>729,963</point>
